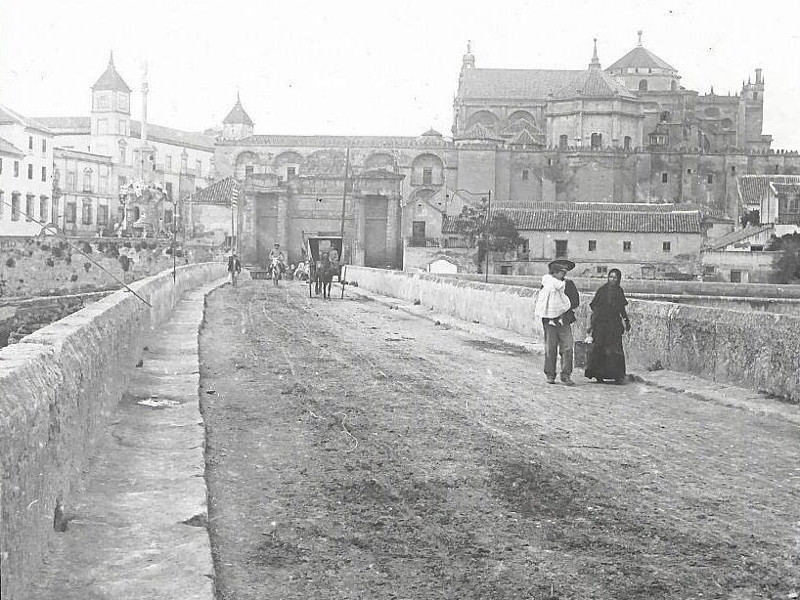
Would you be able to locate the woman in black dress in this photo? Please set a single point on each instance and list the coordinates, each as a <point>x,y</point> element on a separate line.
<point>609,322</point>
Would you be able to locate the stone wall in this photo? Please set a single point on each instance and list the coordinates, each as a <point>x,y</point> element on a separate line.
<point>48,266</point>
<point>760,351</point>
<point>58,388</point>
<point>19,318</point>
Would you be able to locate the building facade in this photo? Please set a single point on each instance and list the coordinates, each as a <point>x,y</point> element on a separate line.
<point>84,192</point>
<point>26,174</point>
<point>178,162</point>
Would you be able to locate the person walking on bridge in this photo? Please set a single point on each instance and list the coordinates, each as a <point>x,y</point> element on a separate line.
<point>607,357</point>
<point>234,267</point>
<point>555,305</point>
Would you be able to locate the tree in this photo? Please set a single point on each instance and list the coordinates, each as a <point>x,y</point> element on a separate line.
<point>501,235</point>
<point>787,267</point>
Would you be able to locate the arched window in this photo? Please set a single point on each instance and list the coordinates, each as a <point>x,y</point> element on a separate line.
<point>626,144</point>
<point>597,141</point>
<point>643,85</point>
<point>673,86</point>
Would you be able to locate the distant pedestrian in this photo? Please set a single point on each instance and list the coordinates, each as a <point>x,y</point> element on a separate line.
<point>555,305</point>
<point>609,321</point>
<point>234,267</point>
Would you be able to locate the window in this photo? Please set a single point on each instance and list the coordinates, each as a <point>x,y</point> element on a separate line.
<point>549,162</point>
<point>755,95</point>
<point>30,142</point>
<point>626,246</point>
<point>44,146</point>
<point>101,101</point>
<point>15,207</point>
<point>525,174</point>
<point>122,129</point>
<point>505,269</point>
<point>626,144</point>
<point>168,223</point>
<point>29,207</point>
<point>666,246</point>
<point>597,141</point>
<point>562,142</point>
<point>71,178</point>
<point>30,171</point>
<point>122,181</point>
<point>103,184</point>
<point>168,188</point>
<point>122,101</point>
<point>44,173</point>
<point>43,209</point>
<point>87,181</point>
<point>290,172</point>
<point>198,168</point>
<point>709,270</point>
<point>71,212</point>
<point>168,163</point>
<point>592,245</point>
<point>643,85</point>
<point>561,248</point>
<point>710,178</point>
<point>102,126</point>
<point>122,155</point>
<point>248,170</point>
<point>602,270</point>
<point>86,213</point>
<point>427,175</point>
<point>664,177</point>
<point>688,171</point>
<point>184,163</point>
<point>733,169</point>
<point>102,214</point>
<point>736,277</point>
<point>16,168</point>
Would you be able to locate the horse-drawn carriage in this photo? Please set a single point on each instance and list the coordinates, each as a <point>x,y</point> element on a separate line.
<point>324,256</point>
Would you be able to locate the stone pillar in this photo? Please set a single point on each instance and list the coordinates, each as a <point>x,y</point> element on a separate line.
<point>248,230</point>
<point>282,224</point>
<point>393,229</point>
<point>359,231</point>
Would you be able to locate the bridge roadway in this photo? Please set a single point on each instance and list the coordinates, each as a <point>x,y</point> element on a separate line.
<point>354,450</point>
<point>357,451</point>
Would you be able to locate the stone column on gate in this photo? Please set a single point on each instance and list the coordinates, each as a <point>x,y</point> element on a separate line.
<point>282,222</point>
<point>359,230</point>
<point>392,228</point>
<point>249,233</point>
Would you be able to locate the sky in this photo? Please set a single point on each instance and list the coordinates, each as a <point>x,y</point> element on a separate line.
<point>352,67</point>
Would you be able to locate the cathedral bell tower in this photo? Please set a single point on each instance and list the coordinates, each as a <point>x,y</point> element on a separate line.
<point>751,114</point>
<point>238,124</point>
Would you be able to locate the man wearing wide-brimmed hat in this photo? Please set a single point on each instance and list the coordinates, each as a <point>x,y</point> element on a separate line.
<point>555,305</point>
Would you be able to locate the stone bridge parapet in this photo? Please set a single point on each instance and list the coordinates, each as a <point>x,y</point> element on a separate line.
<point>756,350</point>
<point>58,388</point>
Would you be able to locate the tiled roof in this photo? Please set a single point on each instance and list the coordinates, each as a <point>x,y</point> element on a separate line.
<point>238,114</point>
<point>224,192</point>
<point>111,80</point>
<point>157,133</point>
<point>539,84</point>
<point>478,132</point>
<point>7,147</point>
<point>526,138</point>
<point>596,220</point>
<point>67,124</point>
<point>431,133</point>
<point>753,188</point>
<point>11,116</point>
<point>342,141</point>
<point>591,206</point>
<point>737,236</point>
<point>641,57</point>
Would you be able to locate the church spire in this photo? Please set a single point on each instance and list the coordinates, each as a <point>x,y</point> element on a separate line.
<point>595,64</point>
<point>468,61</point>
<point>640,32</point>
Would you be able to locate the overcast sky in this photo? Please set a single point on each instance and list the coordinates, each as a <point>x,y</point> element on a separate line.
<point>372,68</point>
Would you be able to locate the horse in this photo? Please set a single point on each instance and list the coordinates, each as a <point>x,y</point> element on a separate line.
<point>324,277</point>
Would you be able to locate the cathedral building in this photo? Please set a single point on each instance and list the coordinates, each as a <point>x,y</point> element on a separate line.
<point>628,133</point>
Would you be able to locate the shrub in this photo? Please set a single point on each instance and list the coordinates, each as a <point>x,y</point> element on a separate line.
<point>124,262</point>
<point>138,246</point>
<point>68,259</point>
<point>58,251</point>
<point>50,262</point>
<point>87,265</point>
<point>74,277</point>
<point>11,262</point>
<point>87,248</point>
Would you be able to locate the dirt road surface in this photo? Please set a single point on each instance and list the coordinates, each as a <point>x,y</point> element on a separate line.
<point>355,451</point>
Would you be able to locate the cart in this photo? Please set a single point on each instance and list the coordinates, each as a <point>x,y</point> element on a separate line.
<point>317,246</point>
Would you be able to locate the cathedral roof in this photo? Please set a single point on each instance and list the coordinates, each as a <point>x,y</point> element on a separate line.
<point>111,80</point>
<point>539,84</point>
<point>238,116</point>
<point>641,58</point>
